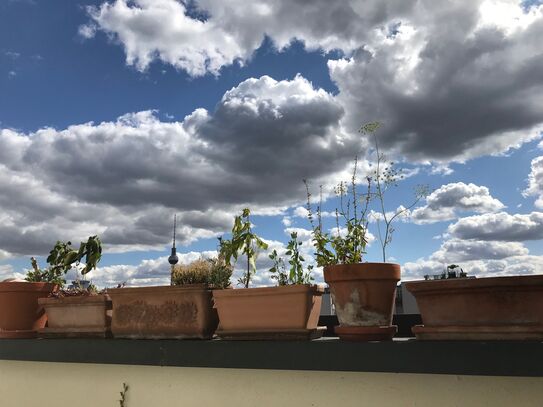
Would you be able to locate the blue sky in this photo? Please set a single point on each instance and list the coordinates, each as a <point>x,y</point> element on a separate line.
<point>116,115</point>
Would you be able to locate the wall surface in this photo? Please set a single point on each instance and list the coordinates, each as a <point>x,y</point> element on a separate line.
<point>45,384</point>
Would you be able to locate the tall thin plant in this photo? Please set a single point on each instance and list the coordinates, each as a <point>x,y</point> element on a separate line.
<point>348,244</point>
<point>385,176</point>
<point>345,245</point>
<point>245,242</point>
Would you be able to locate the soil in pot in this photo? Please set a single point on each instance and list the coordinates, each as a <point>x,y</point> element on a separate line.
<point>77,316</point>
<point>177,312</point>
<point>20,314</point>
<point>286,312</point>
<point>493,308</point>
<point>363,295</point>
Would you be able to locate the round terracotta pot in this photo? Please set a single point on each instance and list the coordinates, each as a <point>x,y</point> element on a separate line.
<point>363,296</point>
<point>20,314</point>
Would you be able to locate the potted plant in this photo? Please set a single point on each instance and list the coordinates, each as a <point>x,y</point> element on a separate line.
<point>288,311</point>
<point>457,307</point>
<point>20,314</point>
<point>79,310</point>
<point>363,293</point>
<point>182,310</point>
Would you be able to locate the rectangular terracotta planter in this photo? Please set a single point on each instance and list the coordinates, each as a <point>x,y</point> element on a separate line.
<point>285,312</point>
<point>83,316</point>
<point>494,308</point>
<point>176,312</point>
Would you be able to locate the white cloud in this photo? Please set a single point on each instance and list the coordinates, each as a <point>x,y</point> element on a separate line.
<point>432,81</point>
<point>403,215</point>
<point>6,271</point>
<point>125,179</point>
<point>206,35</point>
<point>300,212</point>
<point>499,226</point>
<point>162,29</point>
<point>87,31</point>
<point>444,203</point>
<point>506,16</point>
<point>535,181</point>
<point>458,250</point>
<point>426,69</point>
<point>12,54</point>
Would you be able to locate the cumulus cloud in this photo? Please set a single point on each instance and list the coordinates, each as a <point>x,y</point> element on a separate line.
<point>458,250</point>
<point>535,180</point>
<point>499,226</point>
<point>452,81</point>
<point>444,203</point>
<point>6,271</point>
<point>435,84</point>
<point>201,37</point>
<point>125,179</point>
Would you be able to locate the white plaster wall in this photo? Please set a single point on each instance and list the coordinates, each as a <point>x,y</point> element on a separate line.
<point>34,384</point>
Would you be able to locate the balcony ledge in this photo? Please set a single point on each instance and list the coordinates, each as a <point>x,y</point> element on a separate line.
<point>327,354</point>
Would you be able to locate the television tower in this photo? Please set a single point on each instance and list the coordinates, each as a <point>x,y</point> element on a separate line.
<point>173,259</point>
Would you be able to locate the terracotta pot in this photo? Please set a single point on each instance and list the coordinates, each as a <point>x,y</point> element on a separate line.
<point>363,296</point>
<point>163,312</point>
<point>74,317</point>
<point>495,308</point>
<point>285,312</point>
<point>20,314</point>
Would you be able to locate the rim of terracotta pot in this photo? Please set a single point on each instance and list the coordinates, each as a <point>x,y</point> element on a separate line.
<point>290,289</point>
<point>87,299</point>
<point>362,271</point>
<point>18,286</point>
<point>158,288</point>
<point>504,282</point>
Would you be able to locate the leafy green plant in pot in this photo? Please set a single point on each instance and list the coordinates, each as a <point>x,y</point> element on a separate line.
<point>20,314</point>
<point>363,293</point>
<point>79,310</point>
<point>288,311</point>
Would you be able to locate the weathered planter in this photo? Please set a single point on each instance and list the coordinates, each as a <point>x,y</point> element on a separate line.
<point>176,312</point>
<point>494,308</point>
<point>286,312</point>
<point>363,295</point>
<point>20,314</point>
<point>74,317</point>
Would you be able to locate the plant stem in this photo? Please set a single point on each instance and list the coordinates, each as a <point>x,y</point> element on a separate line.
<point>248,271</point>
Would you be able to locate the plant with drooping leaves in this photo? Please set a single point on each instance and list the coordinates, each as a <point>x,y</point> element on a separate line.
<point>62,258</point>
<point>245,242</point>
<point>296,274</point>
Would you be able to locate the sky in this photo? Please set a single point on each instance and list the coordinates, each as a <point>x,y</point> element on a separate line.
<point>116,115</point>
